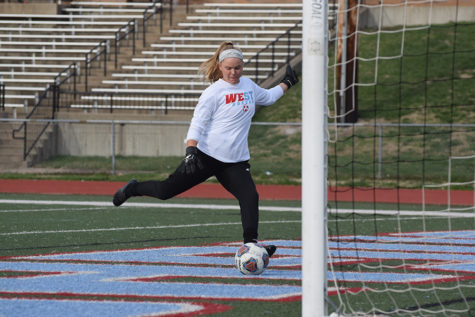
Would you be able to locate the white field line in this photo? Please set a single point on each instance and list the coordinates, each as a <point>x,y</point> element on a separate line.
<point>398,213</point>
<point>145,205</point>
<point>99,204</point>
<point>142,228</point>
<point>50,209</point>
<point>235,207</point>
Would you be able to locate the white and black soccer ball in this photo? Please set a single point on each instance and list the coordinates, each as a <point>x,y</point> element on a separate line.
<point>251,259</point>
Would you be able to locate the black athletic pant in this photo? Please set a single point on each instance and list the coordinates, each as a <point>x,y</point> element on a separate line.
<point>235,177</point>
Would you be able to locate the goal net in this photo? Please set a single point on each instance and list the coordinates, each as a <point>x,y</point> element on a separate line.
<point>401,158</point>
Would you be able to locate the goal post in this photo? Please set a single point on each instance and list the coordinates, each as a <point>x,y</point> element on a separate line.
<point>388,195</point>
<point>401,199</point>
<point>314,118</point>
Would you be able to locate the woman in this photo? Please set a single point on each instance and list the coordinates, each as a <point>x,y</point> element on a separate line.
<point>216,143</point>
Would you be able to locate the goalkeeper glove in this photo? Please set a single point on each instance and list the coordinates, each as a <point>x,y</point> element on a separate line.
<point>290,77</point>
<point>191,162</point>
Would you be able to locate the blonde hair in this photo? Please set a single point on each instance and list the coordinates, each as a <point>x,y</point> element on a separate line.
<point>210,68</point>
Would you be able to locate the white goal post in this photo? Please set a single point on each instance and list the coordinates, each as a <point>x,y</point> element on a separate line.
<point>388,158</point>
<point>314,118</point>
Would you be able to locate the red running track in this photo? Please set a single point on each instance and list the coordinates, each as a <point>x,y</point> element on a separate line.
<point>266,192</point>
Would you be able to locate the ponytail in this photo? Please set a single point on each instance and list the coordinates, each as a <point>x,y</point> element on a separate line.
<point>210,68</point>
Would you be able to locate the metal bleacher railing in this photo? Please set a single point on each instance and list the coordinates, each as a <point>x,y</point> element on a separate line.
<point>150,12</point>
<point>101,51</point>
<point>283,38</point>
<point>45,108</point>
<point>66,80</point>
<point>2,96</point>
<point>263,65</point>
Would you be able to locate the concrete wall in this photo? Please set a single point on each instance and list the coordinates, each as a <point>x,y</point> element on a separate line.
<point>81,139</point>
<point>415,15</point>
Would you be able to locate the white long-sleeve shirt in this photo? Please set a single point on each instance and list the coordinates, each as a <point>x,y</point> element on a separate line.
<point>223,115</point>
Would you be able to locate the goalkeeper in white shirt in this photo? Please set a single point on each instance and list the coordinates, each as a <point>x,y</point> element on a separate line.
<point>216,143</point>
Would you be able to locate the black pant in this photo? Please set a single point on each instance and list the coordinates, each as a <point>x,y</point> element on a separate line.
<point>235,177</point>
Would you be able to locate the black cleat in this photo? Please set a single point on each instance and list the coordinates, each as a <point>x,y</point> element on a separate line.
<point>270,249</point>
<point>120,196</point>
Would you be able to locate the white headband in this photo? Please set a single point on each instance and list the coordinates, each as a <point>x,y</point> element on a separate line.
<point>230,53</point>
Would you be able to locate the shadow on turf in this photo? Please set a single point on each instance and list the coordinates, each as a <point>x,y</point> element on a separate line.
<point>111,243</point>
<point>446,303</point>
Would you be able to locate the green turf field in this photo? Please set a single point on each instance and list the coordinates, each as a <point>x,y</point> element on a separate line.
<point>63,226</point>
<point>30,228</point>
<point>51,218</point>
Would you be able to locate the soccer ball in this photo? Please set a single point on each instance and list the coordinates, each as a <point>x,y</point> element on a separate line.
<point>251,259</point>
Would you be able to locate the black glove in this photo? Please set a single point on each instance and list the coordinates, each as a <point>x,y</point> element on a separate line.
<point>290,77</point>
<point>191,161</point>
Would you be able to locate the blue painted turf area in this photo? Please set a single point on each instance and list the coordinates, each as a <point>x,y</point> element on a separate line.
<point>163,273</point>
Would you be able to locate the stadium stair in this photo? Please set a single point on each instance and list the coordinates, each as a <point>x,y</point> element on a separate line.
<point>166,66</point>
<point>169,66</point>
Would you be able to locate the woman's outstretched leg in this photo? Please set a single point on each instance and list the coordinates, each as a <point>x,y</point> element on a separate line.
<point>177,183</point>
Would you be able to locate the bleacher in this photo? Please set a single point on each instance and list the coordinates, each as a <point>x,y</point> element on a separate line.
<point>169,66</point>
<point>161,75</point>
<point>39,51</point>
<point>34,48</point>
